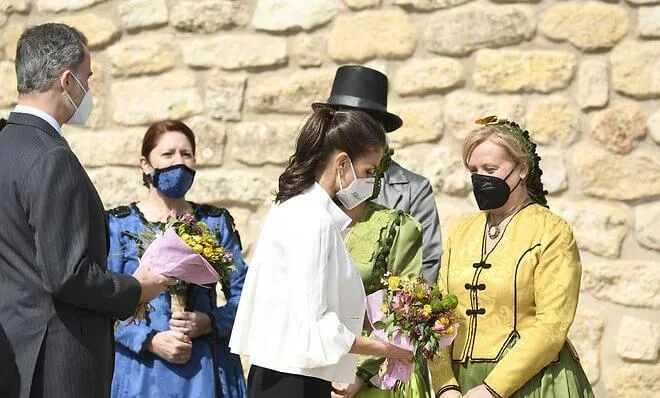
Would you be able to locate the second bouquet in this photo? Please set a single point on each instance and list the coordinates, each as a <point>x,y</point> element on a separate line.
<point>414,316</point>
<point>185,249</point>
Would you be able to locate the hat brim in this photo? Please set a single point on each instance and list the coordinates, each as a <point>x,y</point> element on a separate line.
<point>389,120</point>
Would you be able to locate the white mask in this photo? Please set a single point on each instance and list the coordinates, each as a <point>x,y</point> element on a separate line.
<point>84,109</point>
<point>359,190</point>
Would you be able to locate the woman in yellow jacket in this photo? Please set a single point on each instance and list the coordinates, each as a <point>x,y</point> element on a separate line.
<point>516,270</point>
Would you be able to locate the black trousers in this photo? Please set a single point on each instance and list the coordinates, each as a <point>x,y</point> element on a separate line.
<point>267,383</point>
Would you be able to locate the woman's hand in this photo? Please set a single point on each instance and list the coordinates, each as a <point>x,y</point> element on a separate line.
<point>192,324</point>
<point>451,394</point>
<point>399,354</point>
<point>343,390</point>
<point>479,391</point>
<point>174,347</point>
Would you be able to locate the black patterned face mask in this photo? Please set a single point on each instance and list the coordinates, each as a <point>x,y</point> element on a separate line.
<point>491,192</point>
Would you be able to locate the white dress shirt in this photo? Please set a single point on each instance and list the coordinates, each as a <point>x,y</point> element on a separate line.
<point>303,301</point>
<point>40,114</point>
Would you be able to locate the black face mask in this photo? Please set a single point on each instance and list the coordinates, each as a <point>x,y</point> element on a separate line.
<point>491,192</point>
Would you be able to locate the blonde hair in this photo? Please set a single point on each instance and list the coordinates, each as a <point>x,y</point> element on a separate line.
<point>491,133</point>
<point>521,151</point>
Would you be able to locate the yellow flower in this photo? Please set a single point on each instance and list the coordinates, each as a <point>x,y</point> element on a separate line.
<point>197,238</point>
<point>427,309</point>
<point>449,330</point>
<point>208,251</point>
<point>384,309</point>
<point>198,248</point>
<point>444,320</point>
<point>393,282</point>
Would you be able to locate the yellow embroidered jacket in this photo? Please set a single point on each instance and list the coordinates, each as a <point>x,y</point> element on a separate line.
<point>526,288</point>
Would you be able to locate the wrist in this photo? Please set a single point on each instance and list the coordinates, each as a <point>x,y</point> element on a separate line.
<point>148,346</point>
<point>446,389</point>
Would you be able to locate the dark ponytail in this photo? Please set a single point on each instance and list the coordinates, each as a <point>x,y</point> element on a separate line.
<point>326,130</point>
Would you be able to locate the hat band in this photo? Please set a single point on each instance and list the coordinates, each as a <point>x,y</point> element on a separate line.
<point>356,102</point>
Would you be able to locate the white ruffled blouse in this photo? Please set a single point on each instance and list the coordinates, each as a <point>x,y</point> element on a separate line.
<point>303,301</point>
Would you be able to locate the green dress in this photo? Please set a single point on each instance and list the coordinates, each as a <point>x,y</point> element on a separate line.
<point>386,240</point>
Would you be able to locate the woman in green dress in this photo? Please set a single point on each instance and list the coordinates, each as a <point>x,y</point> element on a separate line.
<point>382,240</point>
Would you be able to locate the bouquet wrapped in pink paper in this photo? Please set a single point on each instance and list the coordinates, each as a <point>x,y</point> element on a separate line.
<point>185,249</point>
<point>414,316</point>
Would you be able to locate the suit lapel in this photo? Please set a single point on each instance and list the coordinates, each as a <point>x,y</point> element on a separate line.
<point>396,181</point>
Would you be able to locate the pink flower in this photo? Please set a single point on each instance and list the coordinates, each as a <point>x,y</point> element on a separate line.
<point>406,297</point>
<point>189,219</point>
<point>405,310</point>
<point>438,327</point>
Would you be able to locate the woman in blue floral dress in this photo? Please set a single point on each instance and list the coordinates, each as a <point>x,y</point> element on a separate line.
<point>184,354</point>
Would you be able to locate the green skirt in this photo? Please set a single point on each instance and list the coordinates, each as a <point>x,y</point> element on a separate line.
<point>416,387</point>
<point>563,379</point>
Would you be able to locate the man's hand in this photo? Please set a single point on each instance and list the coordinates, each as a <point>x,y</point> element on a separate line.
<point>152,284</point>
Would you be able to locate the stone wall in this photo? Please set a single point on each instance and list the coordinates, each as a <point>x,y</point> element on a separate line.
<point>583,76</point>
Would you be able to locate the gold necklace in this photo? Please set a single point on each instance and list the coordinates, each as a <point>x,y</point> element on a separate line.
<point>494,229</point>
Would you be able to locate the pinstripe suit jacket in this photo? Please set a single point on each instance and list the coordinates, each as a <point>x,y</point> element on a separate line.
<point>57,300</point>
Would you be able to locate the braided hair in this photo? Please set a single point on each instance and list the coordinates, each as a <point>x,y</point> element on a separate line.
<point>379,174</point>
<point>533,181</point>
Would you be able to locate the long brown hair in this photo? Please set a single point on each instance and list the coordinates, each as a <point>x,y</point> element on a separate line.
<point>325,131</point>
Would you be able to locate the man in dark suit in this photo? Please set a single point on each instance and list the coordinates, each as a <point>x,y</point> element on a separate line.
<point>359,87</point>
<point>58,299</point>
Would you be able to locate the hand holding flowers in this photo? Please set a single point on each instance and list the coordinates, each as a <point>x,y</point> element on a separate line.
<point>412,315</point>
<point>187,250</point>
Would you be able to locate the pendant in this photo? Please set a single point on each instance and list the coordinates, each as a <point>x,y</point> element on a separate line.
<point>493,231</point>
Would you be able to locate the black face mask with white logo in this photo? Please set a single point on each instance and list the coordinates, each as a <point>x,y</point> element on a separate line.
<point>492,192</point>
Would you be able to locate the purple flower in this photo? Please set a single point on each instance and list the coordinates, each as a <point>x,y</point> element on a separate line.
<point>189,220</point>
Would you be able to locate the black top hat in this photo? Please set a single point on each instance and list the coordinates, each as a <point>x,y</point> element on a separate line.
<point>362,88</point>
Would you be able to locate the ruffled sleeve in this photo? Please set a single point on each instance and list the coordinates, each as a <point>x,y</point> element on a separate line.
<point>400,253</point>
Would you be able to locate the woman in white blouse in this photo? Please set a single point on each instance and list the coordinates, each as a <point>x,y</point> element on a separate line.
<point>302,308</point>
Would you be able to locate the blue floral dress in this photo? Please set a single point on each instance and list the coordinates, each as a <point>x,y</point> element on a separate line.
<point>212,371</point>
